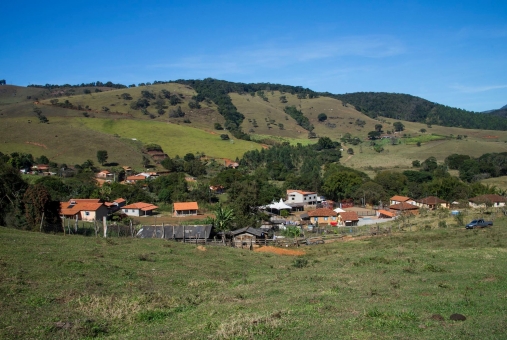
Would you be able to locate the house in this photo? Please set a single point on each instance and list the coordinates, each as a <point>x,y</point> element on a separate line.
<point>404,208</point>
<point>177,232</point>
<point>230,164</point>
<point>185,208</point>
<point>301,197</point>
<point>116,204</point>
<point>138,209</point>
<point>134,179</point>
<point>40,168</point>
<point>431,202</point>
<point>104,174</point>
<point>400,199</point>
<point>347,218</point>
<point>217,189</point>
<point>485,200</point>
<point>246,237</point>
<point>323,216</point>
<point>128,170</point>
<point>84,209</point>
<point>157,155</point>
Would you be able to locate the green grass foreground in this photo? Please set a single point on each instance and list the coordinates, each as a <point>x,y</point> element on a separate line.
<point>61,287</point>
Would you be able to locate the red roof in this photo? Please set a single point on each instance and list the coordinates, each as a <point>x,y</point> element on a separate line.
<point>400,198</point>
<point>487,198</point>
<point>322,212</point>
<point>141,206</point>
<point>185,206</point>
<point>387,213</point>
<point>74,206</point>
<point>430,200</point>
<point>300,192</point>
<point>136,178</point>
<point>349,216</point>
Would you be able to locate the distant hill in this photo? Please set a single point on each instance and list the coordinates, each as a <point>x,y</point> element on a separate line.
<point>415,109</point>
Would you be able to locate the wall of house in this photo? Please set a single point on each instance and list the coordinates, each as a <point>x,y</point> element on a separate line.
<point>131,212</point>
<point>323,219</point>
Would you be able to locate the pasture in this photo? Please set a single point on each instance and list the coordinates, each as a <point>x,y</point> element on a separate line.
<point>401,286</point>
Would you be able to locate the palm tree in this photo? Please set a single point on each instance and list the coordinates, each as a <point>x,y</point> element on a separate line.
<point>223,218</point>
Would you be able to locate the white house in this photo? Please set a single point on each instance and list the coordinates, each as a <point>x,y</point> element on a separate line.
<point>301,197</point>
<point>138,209</point>
<point>485,200</point>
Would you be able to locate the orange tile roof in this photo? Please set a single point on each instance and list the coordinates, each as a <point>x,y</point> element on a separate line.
<point>387,213</point>
<point>322,212</point>
<point>67,208</point>
<point>141,206</point>
<point>185,206</point>
<point>349,216</point>
<point>300,192</point>
<point>120,200</point>
<point>136,178</point>
<point>400,198</point>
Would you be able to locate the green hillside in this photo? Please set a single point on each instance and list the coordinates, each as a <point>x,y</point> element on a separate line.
<point>415,109</point>
<point>183,117</point>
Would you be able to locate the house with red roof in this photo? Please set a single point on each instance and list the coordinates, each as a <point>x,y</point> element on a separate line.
<point>323,216</point>
<point>347,218</point>
<point>134,179</point>
<point>116,204</point>
<point>139,209</point>
<point>301,197</point>
<point>485,200</point>
<point>431,202</point>
<point>84,209</point>
<point>185,208</point>
<point>400,199</point>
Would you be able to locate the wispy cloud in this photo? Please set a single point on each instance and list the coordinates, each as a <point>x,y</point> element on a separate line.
<point>274,55</point>
<point>477,89</point>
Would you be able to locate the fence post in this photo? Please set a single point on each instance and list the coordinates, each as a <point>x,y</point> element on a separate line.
<point>104,223</point>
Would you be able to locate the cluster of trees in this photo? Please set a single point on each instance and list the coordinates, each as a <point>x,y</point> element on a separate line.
<point>299,117</point>
<point>2,82</point>
<point>415,109</point>
<point>475,169</point>
<point>92,84</point>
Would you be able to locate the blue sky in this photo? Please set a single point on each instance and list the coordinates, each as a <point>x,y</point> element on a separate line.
<point>449,52</point>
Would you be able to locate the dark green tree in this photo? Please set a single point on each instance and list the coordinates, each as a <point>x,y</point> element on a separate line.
<point>322,117</point>
<point>102,156</point>
<point>42,213</point>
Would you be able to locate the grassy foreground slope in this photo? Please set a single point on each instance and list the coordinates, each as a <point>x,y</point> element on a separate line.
<point>61,287</point>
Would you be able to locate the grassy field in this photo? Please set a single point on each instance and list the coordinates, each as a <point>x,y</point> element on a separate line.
<point>401,286</point>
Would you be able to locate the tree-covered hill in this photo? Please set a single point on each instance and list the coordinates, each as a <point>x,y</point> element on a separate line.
<point>415,109</point>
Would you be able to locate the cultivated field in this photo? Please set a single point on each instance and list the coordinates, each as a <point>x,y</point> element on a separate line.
<point>402,286</point>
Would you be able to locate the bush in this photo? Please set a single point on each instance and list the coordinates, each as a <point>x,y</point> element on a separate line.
<point>300,263</point>
<point>224,136</point>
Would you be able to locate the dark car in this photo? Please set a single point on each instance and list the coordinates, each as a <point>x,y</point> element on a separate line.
<point>480,223</point>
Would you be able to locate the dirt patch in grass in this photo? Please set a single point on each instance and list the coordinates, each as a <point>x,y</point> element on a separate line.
<point>280,251</point>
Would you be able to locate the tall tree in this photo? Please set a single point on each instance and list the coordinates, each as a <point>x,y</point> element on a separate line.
<point>102,156</point>
<point>42,213</point>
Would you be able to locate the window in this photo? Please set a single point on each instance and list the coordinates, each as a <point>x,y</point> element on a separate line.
<point>325,218</point>
<point>315,219</point>
<point>87,213</point>
<point>133,210</point>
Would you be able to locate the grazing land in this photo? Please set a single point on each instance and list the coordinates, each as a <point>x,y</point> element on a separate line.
<point>401,286</point>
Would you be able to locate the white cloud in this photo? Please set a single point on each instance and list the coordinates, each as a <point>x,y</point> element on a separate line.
<point>477,89</point>
<point>276,55</point>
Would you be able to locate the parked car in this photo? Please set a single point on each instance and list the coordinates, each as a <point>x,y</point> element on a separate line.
<point>480,223</point>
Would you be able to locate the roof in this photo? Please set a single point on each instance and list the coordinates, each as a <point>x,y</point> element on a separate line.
<point>136,178</point>
<point>349,216</point>
<point>120,200</point>
<point>104,172</point>
<point>403,206</point>
<point>387,213</point>
<point>185,206</point>
<point>400,198</point>
<point>430,200</point>
<point>248,230</point>
<point>300,192</point>
<point>141,206</point>
<point>73,207</point>
<point>175,231</point>
<point>322,212</point>
<point>487,198</point>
